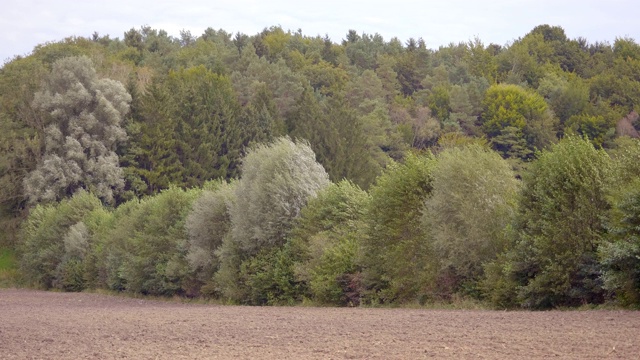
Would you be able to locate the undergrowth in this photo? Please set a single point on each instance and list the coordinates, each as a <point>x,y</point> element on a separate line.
<point>8,269</point>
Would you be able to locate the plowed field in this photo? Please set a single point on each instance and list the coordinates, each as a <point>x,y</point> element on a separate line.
<point>48,325</point>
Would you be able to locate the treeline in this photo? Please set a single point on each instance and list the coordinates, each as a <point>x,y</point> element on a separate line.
<point>166,165</point>
<point>434,227</point>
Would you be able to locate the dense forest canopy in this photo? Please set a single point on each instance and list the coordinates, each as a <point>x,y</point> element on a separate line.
<point>275,167</point>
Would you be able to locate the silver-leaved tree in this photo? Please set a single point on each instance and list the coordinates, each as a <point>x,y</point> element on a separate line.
<point>83,116</point>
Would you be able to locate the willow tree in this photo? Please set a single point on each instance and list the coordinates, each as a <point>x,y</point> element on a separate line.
<point>278,179</point>
<point>472,202</point>
<point>83,115</point>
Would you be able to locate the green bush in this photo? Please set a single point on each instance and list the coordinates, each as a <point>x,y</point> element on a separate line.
<point>559,227</point>
<point>8,268</point>
<point>148,246</point>
<point>208,223</point>
<point>270,278</point>
<point>277,181</point>
<point>46,240</point>
<point>472,201</point>
<point>395,254</point>
<point>328,232</point>
<point>620,257</point>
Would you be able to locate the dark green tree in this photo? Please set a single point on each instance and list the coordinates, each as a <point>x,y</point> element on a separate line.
<point>560,225</point>
<point>395,254</point>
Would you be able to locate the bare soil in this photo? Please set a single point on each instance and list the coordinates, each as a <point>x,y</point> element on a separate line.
<point>48,325</point>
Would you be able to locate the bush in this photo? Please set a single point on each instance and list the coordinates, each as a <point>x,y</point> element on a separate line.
<point>395,254</point>
<point>328,233</point>
<point>277,181</point>
<point>620,257</point>
<point>472,201</point>
<point>558,228</point>
<point>50,238</point>
<point>148,246</point>
<point>270,277</point>
<point>207,224</point>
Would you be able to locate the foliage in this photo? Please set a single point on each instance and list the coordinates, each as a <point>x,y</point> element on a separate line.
<point>207,224</point>
<point>471,204</point>
<point>53,241</point>
<point>188,131</point>
<point>395,255</point>
<point>620,256</point>
<point>328,232</point>
<point>8,268</point>
<point>277,181</point>
<point>81,133</point>
<point>511,106</point>
<point>145,252</point>
<point>559,226</point>
<point>365,107</point>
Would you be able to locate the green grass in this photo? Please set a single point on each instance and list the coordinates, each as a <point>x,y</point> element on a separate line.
<point>8,268</point>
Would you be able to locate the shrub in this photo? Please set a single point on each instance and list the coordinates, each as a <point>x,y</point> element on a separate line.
<point>277,181</point>
<point>51,236</point>
<point>208,223</point>
<point>472,201</point>
<point>559,226</point>
<point>395,253</point>
<point>148,246</point>
<point>328,233</point>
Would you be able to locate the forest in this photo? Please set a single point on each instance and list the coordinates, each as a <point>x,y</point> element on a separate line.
<point>280,168</point>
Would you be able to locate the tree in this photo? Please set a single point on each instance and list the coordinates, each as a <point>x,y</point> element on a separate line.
<point>208,134</point>
<point>84,115</point>
<point>620,255</point>
<point>512,106</point>
<point>189,131</point>
<point>395,256</point>
<point>207,224</point>
<point>48,241</point>
<point>328,233</point>
<point>559,227</point>
<point>472,201</point>
<point>20,138</point>
<point>277,181</point>
<point>337,136</point>
<point>145,251</point>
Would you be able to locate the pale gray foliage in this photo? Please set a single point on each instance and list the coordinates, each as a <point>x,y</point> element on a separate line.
<point>207,224</point>
<point>277,181</point>
<point>76,241</point>
<point>83,132</point>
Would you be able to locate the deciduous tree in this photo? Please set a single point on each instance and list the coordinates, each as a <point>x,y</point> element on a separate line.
<point>83,129</point>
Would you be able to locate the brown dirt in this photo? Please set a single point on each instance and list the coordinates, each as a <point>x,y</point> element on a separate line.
<point>47,325</point>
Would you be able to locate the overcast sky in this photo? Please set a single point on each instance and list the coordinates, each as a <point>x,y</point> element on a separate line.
<point>27,23</point>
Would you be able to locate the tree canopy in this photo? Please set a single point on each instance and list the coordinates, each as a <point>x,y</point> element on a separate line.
<point>277,168</point>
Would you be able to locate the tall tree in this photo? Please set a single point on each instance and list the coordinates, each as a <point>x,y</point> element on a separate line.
<point>84,114</point>
<point>472,202</point>
<point>560,225</point>
<point>395,256</point>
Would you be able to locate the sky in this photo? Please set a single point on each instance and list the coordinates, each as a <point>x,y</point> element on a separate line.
<point>27,23</point>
